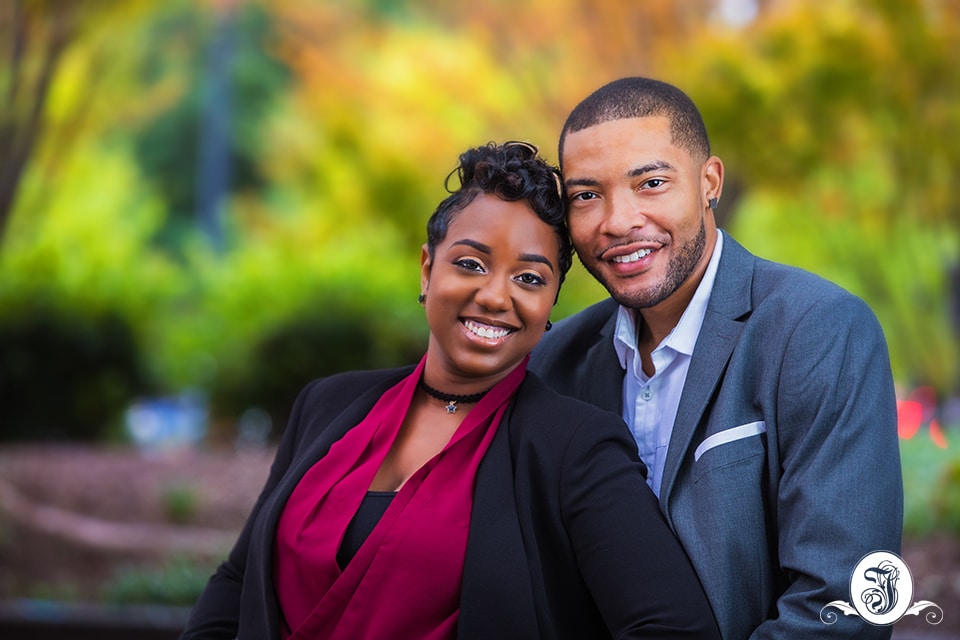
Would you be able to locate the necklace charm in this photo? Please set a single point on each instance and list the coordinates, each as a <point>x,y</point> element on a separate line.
<point>450,398</point>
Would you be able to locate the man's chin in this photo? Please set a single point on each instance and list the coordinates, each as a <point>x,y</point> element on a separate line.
<point>637,299</point>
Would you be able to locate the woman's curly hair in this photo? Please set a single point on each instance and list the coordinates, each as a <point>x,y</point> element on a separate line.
<point>512,171</point>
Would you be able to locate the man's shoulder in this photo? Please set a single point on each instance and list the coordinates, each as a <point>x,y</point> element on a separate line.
<point>571,337</point>
<point>587,323</point>
<point>561,356</point>
<point>778,283</point>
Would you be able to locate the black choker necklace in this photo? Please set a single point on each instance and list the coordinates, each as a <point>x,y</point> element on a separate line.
<point>450,398</point>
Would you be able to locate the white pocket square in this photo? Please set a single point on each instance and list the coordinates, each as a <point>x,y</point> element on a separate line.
<point>730,435</point>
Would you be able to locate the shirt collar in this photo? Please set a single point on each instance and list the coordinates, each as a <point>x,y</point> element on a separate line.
<point>684,336</point>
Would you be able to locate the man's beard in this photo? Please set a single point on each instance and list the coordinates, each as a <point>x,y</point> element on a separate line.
<point>681,265</point>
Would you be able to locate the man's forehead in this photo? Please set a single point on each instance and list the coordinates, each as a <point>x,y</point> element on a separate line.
<point>629,143</point>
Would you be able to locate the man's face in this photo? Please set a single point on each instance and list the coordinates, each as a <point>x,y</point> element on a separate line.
<point>638,215</point>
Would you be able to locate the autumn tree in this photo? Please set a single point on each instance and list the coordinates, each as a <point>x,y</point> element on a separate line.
<point>34,36</point>
<point>838,124</point>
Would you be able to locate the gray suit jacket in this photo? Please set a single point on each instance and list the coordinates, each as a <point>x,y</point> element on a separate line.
<point>783,469</point>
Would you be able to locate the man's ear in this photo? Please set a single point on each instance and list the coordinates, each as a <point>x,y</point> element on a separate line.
<point>425,266</point>
<point>712,180</point>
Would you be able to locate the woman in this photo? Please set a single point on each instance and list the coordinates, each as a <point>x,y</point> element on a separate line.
<point>461,498</point>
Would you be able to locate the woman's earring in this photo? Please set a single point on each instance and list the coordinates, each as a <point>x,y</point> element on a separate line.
<point>422,298</point>
<point>549,326</point>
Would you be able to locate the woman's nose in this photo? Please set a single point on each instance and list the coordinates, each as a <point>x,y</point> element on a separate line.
<point>494,295</point>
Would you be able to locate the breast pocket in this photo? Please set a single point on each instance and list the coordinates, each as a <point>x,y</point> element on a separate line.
<point>729,447</point>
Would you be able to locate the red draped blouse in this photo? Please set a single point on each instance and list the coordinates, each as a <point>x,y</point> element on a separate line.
<point>404,581</point>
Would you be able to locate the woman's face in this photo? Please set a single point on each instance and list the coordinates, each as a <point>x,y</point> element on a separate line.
<point>490,288</point>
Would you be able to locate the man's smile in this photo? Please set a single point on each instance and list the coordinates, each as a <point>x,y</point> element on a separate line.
<point>633,257</point>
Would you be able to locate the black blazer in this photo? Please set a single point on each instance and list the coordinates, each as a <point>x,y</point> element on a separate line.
<point>565,541</point>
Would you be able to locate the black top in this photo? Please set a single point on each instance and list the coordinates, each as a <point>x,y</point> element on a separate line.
<point>371,509</point>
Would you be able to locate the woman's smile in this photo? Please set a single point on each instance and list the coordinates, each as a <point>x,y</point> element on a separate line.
<point>489,333</point>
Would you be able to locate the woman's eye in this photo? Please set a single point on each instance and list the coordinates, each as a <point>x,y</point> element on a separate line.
<point>531,278</point>
<point>469,264</point>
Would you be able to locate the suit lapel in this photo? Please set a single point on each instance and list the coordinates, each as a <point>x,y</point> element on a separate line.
<point>722,325</point>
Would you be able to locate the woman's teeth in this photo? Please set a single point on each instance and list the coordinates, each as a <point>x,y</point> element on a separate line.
<point>485,331</point>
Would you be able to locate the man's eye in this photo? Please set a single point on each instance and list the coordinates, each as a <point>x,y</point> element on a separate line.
<point>584,195</point>
<point>653,183</point>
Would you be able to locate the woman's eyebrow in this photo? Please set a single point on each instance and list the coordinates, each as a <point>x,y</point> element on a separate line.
<point>523,257</point>
<point>479,246</point>
<point>536,257</point>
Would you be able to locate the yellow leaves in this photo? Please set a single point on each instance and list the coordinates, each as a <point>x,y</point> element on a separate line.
<point>838,114</point>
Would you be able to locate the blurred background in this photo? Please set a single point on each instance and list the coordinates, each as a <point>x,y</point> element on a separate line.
<point>206,204</point>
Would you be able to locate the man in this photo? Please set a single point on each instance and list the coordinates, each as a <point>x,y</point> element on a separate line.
<point>760,395</point>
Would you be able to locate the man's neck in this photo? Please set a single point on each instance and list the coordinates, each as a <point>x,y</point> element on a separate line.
<point>655,323</point>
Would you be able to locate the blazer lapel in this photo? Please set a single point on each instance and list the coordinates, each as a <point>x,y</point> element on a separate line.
<point>496,600</point>
<point>332,428</point>
<point>722,325</point>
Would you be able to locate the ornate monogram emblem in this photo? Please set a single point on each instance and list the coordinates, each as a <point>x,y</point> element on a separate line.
<point>881,590</point>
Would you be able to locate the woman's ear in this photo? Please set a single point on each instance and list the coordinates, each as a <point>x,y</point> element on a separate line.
<point>425,265</point>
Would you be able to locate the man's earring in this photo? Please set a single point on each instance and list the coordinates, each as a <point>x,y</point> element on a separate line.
<point>422,299</point>
<point>713,203</point>
<point>549,326</point>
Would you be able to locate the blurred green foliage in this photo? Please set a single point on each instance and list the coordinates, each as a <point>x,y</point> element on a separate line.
<point>946,499</point>
<point>836,124</point>
<point>177,582</point>
<point>166,146</point>
<point>931,486</point>
<point>66,374</point>
<point>180,502</point>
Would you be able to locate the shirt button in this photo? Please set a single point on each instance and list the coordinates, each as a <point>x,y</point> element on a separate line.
<point>646,394</point>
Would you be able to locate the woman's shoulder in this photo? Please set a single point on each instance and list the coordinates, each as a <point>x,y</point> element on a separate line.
<point>346,386</point>
<point>359,376</point>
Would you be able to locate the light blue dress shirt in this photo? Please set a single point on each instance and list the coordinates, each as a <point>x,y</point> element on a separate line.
<point>650,403</point>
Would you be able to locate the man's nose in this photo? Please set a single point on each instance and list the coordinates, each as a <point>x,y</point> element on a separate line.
<point>621,213</point>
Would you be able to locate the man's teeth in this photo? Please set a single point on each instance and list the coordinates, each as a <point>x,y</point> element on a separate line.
<point>484,331</point>
<point>633,257</point>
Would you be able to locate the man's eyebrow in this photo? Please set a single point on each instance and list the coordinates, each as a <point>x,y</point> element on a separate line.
<point>659,165</point>
<point>536,257</point>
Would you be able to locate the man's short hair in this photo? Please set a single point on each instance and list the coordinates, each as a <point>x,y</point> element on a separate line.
<point>641,98</point>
